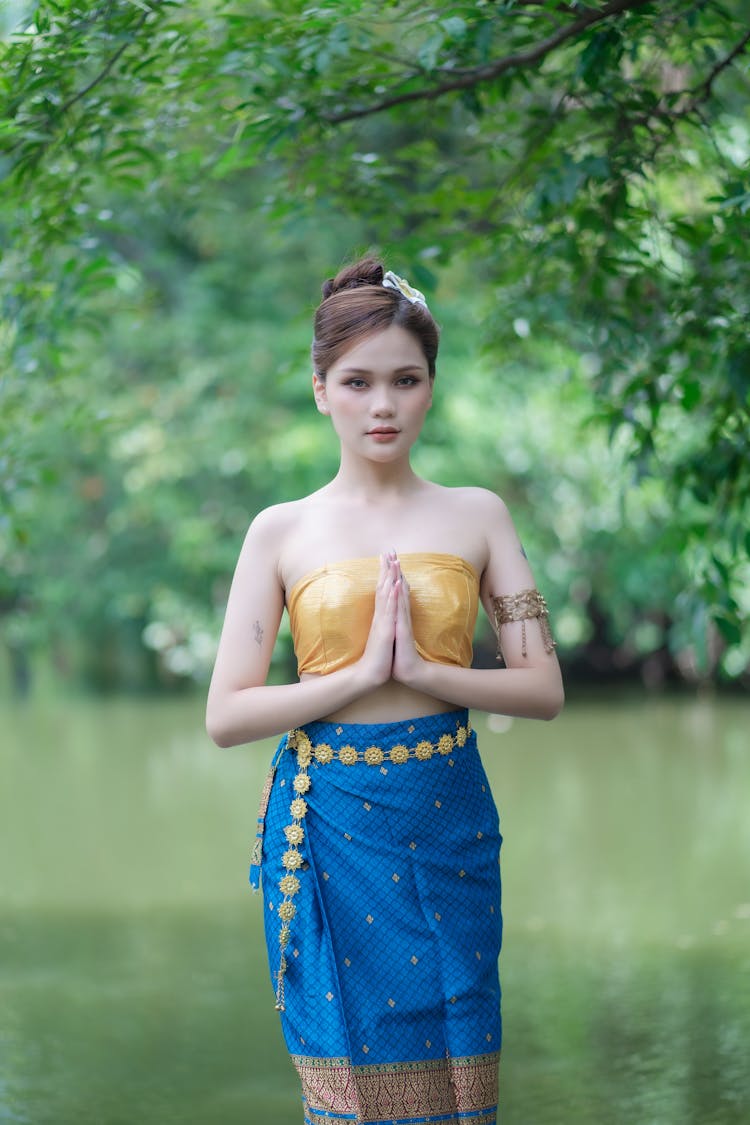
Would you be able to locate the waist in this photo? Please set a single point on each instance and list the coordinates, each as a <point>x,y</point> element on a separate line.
<point>375,743</point>
<point>391,702</point>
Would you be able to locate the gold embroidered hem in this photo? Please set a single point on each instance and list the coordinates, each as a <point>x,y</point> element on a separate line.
<point>457,1090</point>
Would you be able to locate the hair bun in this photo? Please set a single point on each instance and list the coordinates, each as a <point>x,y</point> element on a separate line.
<point>367,271</point>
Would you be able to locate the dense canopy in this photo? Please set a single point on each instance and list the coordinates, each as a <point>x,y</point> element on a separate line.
<point>570,184</point>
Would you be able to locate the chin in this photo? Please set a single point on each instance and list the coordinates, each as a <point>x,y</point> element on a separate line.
<point>388,452</point>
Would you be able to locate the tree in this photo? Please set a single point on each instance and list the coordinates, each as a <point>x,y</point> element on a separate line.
<point>583,166</point>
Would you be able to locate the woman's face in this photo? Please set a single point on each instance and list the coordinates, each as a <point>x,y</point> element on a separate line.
<point>377,394</point>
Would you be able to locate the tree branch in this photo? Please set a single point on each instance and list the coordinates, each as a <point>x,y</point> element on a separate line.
<point>703,92</point>
<point>568,9</point>
<point>688,101</point>
<point>463,80</point>
<point>80,94</point>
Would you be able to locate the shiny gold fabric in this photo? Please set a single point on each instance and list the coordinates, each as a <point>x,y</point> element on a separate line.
<point>331,609</point>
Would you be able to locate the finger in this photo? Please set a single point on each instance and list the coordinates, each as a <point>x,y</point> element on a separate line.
<point>405,590</point>
<point>404,609</point>
<point>392,599</point>
<point>404,617</point>
<point>385,577</point>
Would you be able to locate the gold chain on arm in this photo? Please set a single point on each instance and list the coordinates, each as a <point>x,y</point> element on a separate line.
<point>521,607</point>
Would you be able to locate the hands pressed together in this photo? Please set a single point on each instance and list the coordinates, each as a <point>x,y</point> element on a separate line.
<point>391,652</point>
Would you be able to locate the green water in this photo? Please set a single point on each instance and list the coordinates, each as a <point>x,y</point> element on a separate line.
<point>133,986</point>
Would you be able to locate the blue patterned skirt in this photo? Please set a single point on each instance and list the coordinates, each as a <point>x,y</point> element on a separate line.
<point>380,850</point>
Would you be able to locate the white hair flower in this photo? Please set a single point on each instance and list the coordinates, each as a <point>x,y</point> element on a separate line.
<point>393,281</point>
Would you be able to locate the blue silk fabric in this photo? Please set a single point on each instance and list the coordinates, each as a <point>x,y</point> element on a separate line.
<point>391,992</point>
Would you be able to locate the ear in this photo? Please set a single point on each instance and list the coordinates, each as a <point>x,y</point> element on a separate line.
<point>319,394</point>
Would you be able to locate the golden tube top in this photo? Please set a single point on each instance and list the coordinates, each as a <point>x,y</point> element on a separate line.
<point>331,609</point>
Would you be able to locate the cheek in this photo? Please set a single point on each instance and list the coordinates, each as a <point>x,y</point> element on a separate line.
<point>421,403</point>
<point>343,417</point>
<point>345,407</point>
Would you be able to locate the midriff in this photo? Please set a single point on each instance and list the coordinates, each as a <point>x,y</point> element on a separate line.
<point>390,702</point>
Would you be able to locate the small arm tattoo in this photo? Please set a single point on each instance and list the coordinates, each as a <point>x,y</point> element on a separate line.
<point>522,551</point>
<point>258,631</point>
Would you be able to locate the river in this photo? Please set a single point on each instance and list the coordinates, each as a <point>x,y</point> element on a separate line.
<point>133,983</point>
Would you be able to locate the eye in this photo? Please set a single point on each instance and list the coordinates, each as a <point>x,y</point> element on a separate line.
<point>355,383</point>
<point>407,381</point>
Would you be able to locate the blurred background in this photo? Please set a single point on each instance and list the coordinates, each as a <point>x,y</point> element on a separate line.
<point>569,184</point>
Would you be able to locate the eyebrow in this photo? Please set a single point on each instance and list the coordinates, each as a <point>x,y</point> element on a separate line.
<point>396,371</point>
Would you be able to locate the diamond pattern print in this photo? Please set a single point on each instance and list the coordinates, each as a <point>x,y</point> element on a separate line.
<point>397,925</point>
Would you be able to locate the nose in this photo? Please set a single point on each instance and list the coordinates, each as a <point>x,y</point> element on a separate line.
<point>381,404</point>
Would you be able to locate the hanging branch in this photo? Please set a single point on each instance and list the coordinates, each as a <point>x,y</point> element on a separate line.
<point>107,68</point>
<point>686,103</point>
<point>703,92</point>
<point>463,80</point>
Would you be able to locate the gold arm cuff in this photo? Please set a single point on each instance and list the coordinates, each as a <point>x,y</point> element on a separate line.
<point>522,606</point>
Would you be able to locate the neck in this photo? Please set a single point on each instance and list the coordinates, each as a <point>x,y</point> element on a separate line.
<point>371,481</point>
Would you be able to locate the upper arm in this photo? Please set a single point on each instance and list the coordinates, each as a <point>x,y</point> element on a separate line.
<point>508,572</point>
<point>253,613</point>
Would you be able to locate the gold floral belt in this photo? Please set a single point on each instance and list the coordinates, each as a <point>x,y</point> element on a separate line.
<point>322,752</point>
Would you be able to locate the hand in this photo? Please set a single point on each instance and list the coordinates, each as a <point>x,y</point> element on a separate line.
<point>406,660</point>
<point>377,659</point>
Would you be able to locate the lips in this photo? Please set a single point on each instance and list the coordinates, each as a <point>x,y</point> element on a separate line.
<point>383,430</point>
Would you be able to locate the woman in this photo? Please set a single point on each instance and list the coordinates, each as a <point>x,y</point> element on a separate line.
<point>378,835</point>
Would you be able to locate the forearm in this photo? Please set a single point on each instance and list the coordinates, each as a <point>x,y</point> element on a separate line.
<point>526,693</point>
<point>248,714</point>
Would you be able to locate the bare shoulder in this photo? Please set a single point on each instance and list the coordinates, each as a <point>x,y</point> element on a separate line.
<point>480,499</point>
<point>477,504</point>
<point>475,520</point>
<point>275,521</point>
<point>279,519</point>
<point>282,536</point>
<point>264,542</point>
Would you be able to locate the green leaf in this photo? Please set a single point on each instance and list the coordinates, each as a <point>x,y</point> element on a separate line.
<point>454,27</point>
<point>429,51</point>
<point>691,394</point>
<point>729,629</point>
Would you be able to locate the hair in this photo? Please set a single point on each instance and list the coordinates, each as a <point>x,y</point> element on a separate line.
<point>356,304</point>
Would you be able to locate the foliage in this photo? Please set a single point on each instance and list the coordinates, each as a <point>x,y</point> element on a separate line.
<point>570,181</point>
